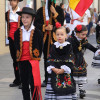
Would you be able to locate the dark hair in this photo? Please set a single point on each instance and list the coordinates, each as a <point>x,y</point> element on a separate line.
<point>80,28</point>
<point>61,4</point>
<point>67,30</point>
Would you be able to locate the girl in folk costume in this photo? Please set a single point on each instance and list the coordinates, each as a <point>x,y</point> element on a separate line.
<point>28,42</point>
<point>76,19</point>
<point>60,85</point>
<point>13,22</point>
<point>79,42</point>
<point>45,20</point>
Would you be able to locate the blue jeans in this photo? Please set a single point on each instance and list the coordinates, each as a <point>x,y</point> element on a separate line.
<point>89,26</point>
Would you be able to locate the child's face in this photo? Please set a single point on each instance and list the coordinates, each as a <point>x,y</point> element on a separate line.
<point>61,35</point>
<point>26,19</point>
<point>13,3</point>
<point>82,35</point>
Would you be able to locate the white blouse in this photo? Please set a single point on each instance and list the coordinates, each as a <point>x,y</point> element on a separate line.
<point>13,17</point>
<point>57,44</point>
<point>26,34</point>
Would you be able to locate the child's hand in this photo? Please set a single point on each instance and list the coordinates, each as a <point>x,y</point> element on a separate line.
<point>55,70</point>
<point>60,71</point>
<point>52,9</point>
<point>49,27</point>
<point>99,52</point>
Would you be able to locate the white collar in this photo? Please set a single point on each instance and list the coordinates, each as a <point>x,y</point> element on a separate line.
<point>57,44</point>
<point>32,27</point>
<point>18,9</point>
<point>46,10</point>
<point>77,37</point>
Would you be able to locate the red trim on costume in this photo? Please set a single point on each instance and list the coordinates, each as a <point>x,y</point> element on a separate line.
<point>16,68</point>
<point>47,23</point>
<point>35,70</point>
<point>13,28</point>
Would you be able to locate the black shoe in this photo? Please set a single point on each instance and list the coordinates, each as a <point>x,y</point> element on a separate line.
<point>98,81</point>
<point>13,85</point>
<point>82,94</point>
<point>20,86</point>
<point>43,84</point>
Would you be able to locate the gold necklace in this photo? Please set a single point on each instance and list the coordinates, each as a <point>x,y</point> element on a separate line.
<point>80,47</point>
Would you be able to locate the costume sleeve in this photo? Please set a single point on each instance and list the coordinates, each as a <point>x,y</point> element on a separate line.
<point>16,38</point>
<point>66,69</point>
<point>97,52</point>
<point>90,47</point>
<point>39,22</point>
<point>40,40</point>
<point>59,16</point>
<point>49,69</point>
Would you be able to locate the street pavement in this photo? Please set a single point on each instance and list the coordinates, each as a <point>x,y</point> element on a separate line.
<point>6,77</point>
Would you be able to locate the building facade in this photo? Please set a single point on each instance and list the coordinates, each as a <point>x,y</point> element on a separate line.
<point>4,6</point>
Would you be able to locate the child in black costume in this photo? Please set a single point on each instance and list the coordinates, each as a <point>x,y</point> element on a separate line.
<point>13,22</point>
<point>28,42</point>
<point>60,85</point>
<point>79,42</point>
<point>45,20</point>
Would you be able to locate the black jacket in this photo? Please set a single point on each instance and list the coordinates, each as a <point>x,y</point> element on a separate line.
<point>35,43</point>
<point>80,64</point>
<point>40,21</point>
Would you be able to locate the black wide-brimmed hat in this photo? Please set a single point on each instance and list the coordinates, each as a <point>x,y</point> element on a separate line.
<point>26,10</point>
<point>19,0</point>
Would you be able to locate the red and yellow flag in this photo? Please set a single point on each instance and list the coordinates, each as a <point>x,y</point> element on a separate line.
<point>80,6</point>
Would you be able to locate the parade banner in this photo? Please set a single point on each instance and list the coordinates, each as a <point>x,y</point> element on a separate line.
<point>80,6</point>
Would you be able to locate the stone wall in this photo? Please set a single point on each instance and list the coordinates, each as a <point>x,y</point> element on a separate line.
<point>3,48</point>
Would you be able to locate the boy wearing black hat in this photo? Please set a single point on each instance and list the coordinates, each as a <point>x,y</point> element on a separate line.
<point>45,20</point>
<point>13,22</point>
<point>28,43</point>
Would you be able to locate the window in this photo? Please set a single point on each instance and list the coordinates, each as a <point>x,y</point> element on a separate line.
<point>29,3</point>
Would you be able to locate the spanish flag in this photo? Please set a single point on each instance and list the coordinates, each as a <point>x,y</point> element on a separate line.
<point>80,6</point>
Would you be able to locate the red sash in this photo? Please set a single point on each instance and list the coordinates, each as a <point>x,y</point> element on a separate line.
<point>72,20</point>
<point>13,28</point>
<point>35,70</point>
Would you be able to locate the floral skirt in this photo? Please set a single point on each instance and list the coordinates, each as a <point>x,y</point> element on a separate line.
<point>50,95</point>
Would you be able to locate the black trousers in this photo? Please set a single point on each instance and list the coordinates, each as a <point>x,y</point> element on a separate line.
<point>15,63</point>
<point>26,79</point>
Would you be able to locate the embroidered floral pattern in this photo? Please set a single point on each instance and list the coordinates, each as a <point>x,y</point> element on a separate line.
<point>56,60</point>
<point>65,83</point>
<point>36,52</point>
<point>82,67</point>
